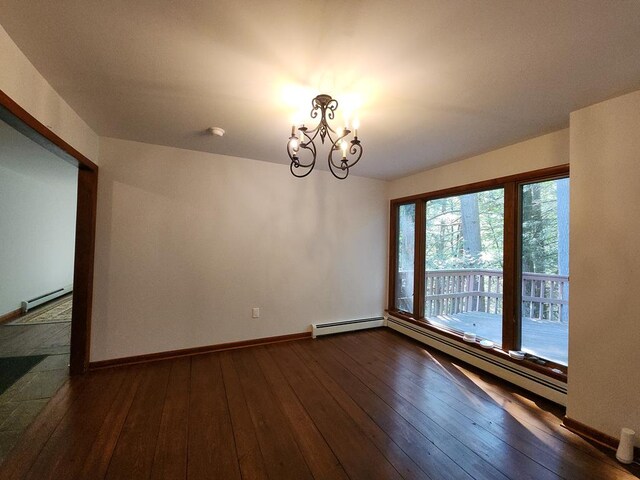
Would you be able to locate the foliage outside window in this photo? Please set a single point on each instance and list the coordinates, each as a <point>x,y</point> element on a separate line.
<point>406,257</point>
<point>489,258</point>
<point>464,261</point>
<point>544,244</point>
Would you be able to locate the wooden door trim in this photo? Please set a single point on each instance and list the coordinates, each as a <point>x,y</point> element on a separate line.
<point>85,237</point>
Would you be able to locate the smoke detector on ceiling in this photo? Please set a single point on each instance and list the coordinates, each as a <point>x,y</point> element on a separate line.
<point>215,131</point>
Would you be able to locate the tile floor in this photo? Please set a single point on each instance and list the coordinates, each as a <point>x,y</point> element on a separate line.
<point>22,402</point>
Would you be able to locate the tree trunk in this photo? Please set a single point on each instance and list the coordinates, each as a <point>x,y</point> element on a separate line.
<point>470,216</point>
<point>533,242</point>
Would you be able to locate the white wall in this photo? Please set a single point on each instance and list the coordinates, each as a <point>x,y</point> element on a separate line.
<point>20,80</point>
<point>188,242</point>
<point>37,220</point>
<point>540,152</point>
<point>604,333</point>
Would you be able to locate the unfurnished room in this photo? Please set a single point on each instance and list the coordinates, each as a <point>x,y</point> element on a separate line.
<point>319,240</point>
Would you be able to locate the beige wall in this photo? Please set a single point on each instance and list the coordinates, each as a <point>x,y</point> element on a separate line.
<point>540,152</point>
<point>23,83</point>
<point>604,335</point>
<point>189,242</point>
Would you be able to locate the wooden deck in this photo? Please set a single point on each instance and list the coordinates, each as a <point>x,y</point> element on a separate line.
<point>366,405</point>
<point>544,338</point>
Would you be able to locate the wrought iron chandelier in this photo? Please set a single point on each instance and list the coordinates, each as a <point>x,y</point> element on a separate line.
<point>304,139</point>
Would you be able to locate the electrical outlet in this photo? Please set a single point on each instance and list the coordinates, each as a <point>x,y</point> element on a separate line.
<point>255,312</point>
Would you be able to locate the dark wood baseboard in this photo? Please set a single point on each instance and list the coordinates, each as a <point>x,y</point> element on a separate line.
<point>185,352</point>
<point>595,435</point>
<point>7,317</point>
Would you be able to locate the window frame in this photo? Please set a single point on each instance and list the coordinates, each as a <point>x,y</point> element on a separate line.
<point>511,318</point>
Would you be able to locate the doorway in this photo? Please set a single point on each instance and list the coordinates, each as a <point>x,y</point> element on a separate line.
<point>87,192</point>
<point>41,347</point>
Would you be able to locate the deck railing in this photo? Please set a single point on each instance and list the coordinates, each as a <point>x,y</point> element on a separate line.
<point>448,292</point>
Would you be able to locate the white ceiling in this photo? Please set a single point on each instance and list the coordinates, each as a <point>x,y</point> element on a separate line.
<point>433,81</point>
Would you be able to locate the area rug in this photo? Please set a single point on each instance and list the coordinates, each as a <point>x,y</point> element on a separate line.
<point>58,311</point>
<point>13,368</point>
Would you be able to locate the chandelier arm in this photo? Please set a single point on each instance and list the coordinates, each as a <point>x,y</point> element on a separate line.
<point>332,164</point>
<point>294,152</point>
<point>315,132</point>
<point>356,149</point>
<point>330,158</point>
<point>295,159</point>
<point>338,172</point>
<point>312,148</point>
<point>292,168</point>
<point>333,142</point>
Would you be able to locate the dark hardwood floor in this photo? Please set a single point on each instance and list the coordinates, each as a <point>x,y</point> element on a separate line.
<point>366,405</point>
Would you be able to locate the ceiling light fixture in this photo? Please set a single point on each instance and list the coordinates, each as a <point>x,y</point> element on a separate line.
<point>304,139</point>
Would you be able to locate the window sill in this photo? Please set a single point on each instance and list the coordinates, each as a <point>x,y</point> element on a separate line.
<point>547,370</point>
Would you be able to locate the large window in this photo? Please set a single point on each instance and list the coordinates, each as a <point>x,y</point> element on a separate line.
<point>406,257</point>
<point>464,263</point>
<point>489,259</point>
<point>544,268</point>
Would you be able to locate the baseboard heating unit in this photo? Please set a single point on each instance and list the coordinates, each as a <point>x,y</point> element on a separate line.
<point>318,329</point>
<point>47,297</point>
<point>544,386</point>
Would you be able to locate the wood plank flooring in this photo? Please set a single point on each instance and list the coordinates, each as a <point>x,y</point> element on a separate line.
<point>365,405</point>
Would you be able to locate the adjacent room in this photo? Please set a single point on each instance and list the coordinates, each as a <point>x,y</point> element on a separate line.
<point>338,240</point>
<point>37,231</point>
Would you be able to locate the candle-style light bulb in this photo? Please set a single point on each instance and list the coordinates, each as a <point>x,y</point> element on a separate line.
<point>344,145</point>
<point>356,126</point>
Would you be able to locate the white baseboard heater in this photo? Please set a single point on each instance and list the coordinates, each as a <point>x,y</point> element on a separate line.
<point>318,329</point>
<point>47,297</point>
<point>537,383</point>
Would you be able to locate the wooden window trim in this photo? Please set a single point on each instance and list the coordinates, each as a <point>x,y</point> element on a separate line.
<point>511,272</point>
<point>419,260</point>
<point>510,317</point>
<point>534,175</point>
<point>393,256</point>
